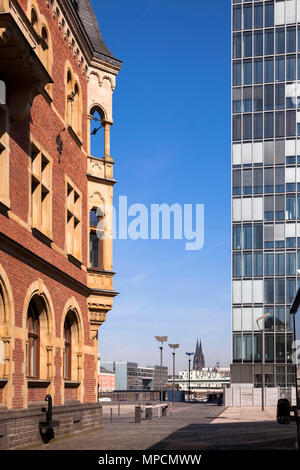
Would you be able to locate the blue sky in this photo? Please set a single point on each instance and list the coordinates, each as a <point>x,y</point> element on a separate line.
<point>171,144</point>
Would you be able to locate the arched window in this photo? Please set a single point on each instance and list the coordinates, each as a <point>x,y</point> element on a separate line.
<point>68,349</point>
<point>34,19</point>
<point>45,47</point>
<point>72,346</point>
<point>73,104</point>
<point>97,133</point>
<point>33,346</point>
<point>96,238</point>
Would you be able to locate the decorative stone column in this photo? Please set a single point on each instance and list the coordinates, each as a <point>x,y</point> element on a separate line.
<point>106,126</point>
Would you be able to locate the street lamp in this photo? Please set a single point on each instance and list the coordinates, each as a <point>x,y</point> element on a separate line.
<point>189,354</point>
<point>162,340</point>
<point>174,347</point>
<point>262,330</point>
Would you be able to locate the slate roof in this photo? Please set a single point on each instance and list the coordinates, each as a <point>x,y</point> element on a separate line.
<point>88,20</point>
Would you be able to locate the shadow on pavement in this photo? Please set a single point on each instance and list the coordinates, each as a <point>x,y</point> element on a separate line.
<point>231,436</point>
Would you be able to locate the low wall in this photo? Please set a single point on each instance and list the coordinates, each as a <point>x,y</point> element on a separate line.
<point>251,396</point>
<point>20,428</point>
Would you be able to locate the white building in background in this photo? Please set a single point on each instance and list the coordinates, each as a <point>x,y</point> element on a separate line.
<point>205,380</point>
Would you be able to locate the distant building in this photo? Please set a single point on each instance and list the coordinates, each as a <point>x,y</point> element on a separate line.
<point>199,360</point>
<point>206,380</point>
<point>130,376</point>
<point>106,380</point>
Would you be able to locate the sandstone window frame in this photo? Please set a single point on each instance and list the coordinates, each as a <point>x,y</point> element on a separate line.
<point>41,165</point>
<point>67,349</point>
<point>73,220</point>
<point>72,312</point>
<point>33,344</point>
<point>74,108</point>
<point>4,156</point>
<point>44,50</point>
<point>95,230</point>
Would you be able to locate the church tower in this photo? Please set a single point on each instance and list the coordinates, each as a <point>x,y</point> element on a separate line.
<point>199,360</point>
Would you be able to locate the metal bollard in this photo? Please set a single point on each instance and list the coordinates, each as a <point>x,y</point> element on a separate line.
<point>118,409</point>
<point>138,414</point>
<point>111,411</point>
<point>148,414</point>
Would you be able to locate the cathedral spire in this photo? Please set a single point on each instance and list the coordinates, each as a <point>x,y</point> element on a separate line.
<point>199,360</point>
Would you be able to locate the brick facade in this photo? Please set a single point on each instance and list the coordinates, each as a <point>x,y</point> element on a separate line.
<point>35,265</point>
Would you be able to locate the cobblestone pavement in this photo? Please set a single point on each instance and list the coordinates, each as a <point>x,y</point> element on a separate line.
<point>191,427</point>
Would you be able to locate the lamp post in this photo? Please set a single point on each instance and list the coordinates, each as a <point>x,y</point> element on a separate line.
<point>161,340</point>
<point>174,347</point>
<point>263,317</point>
<point>189,354</point>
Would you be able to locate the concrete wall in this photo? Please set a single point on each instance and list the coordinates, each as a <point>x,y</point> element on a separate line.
<point>250,396</point>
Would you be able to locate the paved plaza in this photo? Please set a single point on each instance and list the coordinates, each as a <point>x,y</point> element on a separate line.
<point>190,427</point>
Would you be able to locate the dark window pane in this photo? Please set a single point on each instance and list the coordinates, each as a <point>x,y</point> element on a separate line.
<point>280,41</point>
<point>291,39</point>
<point>237,18</point>
<point>237,73</point>
<point>237,270</point>
<point>269,124</point>
<point>279,124</point>
<point>258,71</point>
<point>279,96</point>
<point>269,14</point>
<point>247,72</point>
<point>236,100</point>
<point>290,123</point>
<point>258,126</point>
<point>258,98</point>
<point>258,16</point>
<point>269,42</point>
<point>247,127</point>
<point>237,237</point>
<point>247,237</point>
<point>247,16</point>
<point>237,46</point>
<point>280,69</point>
<point>269,97</point>
<point>247,44</point>
<point>291,68</point>
<point>258,43</point>
<point>269,348</point>
<point>236,127</point>
<point>258,264</point>
<point>269,70</point>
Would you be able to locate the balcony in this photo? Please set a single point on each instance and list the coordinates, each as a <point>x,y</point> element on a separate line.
<point>100,280</point>
<point>21,69</point>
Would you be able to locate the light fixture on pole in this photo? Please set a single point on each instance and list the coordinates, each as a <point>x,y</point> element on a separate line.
<point>262,330</point>
<point>189,354</point>
<point>174,347</point>
<point>162,340</point>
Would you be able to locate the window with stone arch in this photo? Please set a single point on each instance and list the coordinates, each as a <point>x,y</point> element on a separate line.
<point>44,49</point>
<point>6,322</point>
<point>46,53</point>
<point>39,339</point>
<point>34,19</point>
<point>97,126</point>
<point>73,103</point>
<point>72,346</point>
<point>96,238</point>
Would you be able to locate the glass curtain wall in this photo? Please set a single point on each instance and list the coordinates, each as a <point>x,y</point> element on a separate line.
<point>265,181</point>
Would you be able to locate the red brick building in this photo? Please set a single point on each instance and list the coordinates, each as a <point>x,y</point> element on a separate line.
<point>107,380</point>
<point>55,273</point>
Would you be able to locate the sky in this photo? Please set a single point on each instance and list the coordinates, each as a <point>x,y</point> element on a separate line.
<point>171,144</point>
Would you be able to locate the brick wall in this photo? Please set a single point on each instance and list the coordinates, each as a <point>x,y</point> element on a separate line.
<point>21,428</point>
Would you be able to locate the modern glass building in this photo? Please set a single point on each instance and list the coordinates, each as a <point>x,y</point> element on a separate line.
<point>265,186</point>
